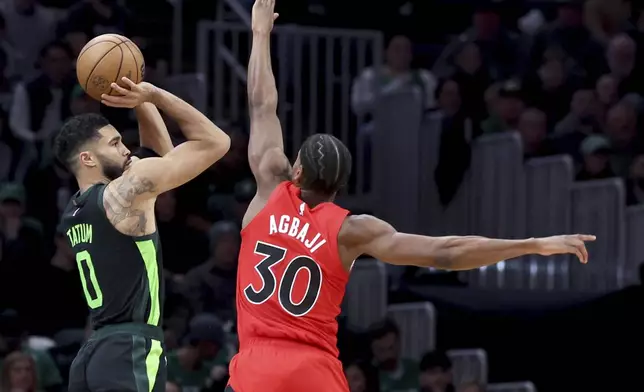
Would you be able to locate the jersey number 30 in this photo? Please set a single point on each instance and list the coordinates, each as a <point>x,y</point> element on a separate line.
<point>273,255</point>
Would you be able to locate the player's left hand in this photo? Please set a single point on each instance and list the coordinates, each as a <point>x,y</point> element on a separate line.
<point>130,97</point>
<point>562,244</point>
<point>263,16</point>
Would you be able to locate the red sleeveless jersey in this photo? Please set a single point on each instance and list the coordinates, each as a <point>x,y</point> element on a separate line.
<point>290,279</point>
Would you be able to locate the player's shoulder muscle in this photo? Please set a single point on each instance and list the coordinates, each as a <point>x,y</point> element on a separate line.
<point>359,231</point>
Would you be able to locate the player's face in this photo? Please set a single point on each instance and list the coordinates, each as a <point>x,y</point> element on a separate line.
<point>112,155</point>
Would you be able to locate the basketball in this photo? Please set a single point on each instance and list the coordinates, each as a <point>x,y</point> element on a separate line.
<point>107,59</point>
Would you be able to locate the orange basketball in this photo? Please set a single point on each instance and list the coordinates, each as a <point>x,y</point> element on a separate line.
<point>107,59</point>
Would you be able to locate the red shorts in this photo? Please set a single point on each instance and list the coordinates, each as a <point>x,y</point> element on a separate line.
<point>279,366</point>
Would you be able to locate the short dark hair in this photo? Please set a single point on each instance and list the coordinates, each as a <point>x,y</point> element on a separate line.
<point>74,134</point>
<point>326,164</point>
<point>435,360</point>
<point>384,328</point>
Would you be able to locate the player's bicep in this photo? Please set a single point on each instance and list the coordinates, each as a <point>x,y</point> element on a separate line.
<point>377,238</point>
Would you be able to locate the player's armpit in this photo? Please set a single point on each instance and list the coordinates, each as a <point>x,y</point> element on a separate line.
<point>368,235</point>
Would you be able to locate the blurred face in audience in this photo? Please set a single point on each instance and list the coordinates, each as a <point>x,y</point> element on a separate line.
<point>398,54</point>
<point>21,372</point>
<point>84,104</point>
<point>449,98</point>
<point>227,250</point>
<point>621,123</point>
<point>596,163</point>
<point>386,351</point>
<point>552,74</point>
<point>533,127</point>
<point>469,58</point>
<point>11,209</point>
<point>607,90</point>
<point>435,379</point>
<point>583,104</point>
<point>357,380</point>
<point>76,40</point>
<point>510,108</point>
<point>56,64</point>
<point>621,55</point>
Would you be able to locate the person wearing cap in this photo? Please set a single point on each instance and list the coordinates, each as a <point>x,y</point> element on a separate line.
<point>595,152</point>
<point>201,356</point>
<point>507,109</point>
<point>436,372</point>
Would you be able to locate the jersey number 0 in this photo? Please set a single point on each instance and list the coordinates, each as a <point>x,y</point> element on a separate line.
<point>273,255</point>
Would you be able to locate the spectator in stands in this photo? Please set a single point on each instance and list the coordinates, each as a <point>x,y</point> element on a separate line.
<point>29,26</point>
<point>183,247</point>
<point>191,366</point>
<point>41,105</point>
<point>500,47</point>
<point>471,387</point>
<point>394,76</point>
<point>63,286</point>
<point>595,152</point>
<point>396,373</point>
<point>82,103</point>
<point>533,129</point>
<point>76,40</point>
<point>96,17</point>
<point>506,110</point>
<point>583,113</point>
<point>362,377</point>
<point>549,89</point>
<point>569,33</point>
<point>23,249</point>
<point>473,79</point>
<point>621,129</point>
<point>9,56</point>
<point>458,130</point>
<point>607,18</point>
<point>621,58</point>
<point>635,182</point>
<point>606,90</point>
<point>18,373</point>
<point>210,287</point>
<point>14,336</point>
<point>436,372</point>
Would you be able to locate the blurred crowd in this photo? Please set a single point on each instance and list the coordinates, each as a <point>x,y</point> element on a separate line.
<point>567,78</point>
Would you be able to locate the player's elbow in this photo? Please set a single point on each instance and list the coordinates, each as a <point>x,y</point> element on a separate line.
<point>262,104</point>
<point>220,144</point>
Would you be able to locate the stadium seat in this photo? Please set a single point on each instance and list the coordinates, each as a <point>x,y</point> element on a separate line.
<point>365,302</point>
<point>417,323</point>
<point>469,365</point>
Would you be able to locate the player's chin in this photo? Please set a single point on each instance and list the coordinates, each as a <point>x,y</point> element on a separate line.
<point>129,163</point>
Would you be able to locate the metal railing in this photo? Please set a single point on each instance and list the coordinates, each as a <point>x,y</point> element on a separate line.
<point>314,70</point>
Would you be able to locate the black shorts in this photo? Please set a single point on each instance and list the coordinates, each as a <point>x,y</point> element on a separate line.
<point>124,358</point>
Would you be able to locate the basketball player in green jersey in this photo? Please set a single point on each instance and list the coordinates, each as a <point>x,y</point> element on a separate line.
<point>111,227</point>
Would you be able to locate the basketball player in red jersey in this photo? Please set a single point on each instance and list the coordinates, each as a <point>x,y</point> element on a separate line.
<point>298,247</point>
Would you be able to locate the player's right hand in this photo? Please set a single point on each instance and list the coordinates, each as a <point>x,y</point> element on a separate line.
<point>561,244</point>
<point>263,16</point>
<point>130,97</point>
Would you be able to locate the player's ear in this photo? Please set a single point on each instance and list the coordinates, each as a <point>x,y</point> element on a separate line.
<point>297,174</point>
<point>86,159</point>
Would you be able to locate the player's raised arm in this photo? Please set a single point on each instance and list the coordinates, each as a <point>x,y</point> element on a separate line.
<point>146,178</point>
<point>266,146</point>
<point>366,234</point>
<point>153,133</point>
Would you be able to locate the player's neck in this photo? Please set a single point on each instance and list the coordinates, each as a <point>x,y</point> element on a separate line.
<point>87,181</point>
<point>313,199</point>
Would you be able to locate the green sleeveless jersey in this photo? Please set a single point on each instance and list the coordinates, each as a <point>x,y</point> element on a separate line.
<point>122,276</point>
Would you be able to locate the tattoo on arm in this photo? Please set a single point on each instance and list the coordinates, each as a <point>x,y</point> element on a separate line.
<point>119,204</point>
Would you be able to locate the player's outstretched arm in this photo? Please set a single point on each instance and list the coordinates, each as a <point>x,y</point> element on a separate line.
<point>153,133</point>
<point>147,178</point>
<point>365,234</point>
<point>266,146</point>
